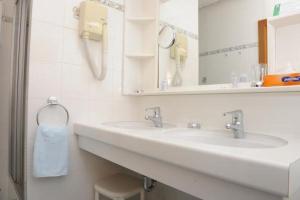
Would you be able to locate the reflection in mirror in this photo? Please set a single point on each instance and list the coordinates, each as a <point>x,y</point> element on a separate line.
<point>178,65</point>
<point>210,46</point>
<point>229,40</point>
<point>216,42</point>
<point>166,37</point>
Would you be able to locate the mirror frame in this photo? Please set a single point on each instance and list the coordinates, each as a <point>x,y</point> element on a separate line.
<point>263,42</point>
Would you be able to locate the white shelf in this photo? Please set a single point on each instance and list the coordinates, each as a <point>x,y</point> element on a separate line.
<point>205,91</point>
<point>139,55</point>
<point>140,45</point>
<point>285,20</point>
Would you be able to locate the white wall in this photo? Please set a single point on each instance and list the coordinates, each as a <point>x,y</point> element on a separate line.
<point>5,78</point>
<point>58,68</point>
<point>288,49</point>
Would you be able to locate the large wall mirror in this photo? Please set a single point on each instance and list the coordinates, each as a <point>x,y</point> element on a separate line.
<point>215,41</point>
<point>180,46</point>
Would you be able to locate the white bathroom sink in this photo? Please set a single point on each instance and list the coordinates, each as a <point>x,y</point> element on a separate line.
<point>262,162</point>
<point>224,138</point>
<point>137,125</point>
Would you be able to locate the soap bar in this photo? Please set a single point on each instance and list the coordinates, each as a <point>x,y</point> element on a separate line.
<point>282,80</point>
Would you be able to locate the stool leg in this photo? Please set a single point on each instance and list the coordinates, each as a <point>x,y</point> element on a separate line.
<point>142,194</point>
<point>96,196</point>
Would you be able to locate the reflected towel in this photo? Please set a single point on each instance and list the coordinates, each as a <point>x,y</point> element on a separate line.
<point>51,152</point>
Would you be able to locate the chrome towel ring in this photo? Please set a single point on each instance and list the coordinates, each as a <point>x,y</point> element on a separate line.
<point>52,101</point>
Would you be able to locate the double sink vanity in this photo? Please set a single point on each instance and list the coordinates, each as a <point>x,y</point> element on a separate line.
<point>205,47</point>
<point>210,165</point>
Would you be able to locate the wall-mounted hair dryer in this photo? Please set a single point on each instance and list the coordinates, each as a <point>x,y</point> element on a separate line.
<point>93,26</point>
<point>179,52</point>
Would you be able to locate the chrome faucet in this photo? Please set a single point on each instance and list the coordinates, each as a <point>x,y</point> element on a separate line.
<point>155,117</point>
<point>237,125</point>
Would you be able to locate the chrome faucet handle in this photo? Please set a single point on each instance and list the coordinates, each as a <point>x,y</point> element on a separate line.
<point>237,125</point>
<point>194,125</point>
<point>234,126</point>
<point>234,113</point>
<point>155,110</point>
<point>155,117</point>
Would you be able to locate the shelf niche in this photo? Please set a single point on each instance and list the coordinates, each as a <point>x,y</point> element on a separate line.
<point>140,46</point>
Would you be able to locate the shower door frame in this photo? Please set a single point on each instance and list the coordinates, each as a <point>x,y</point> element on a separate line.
<point>17,151</point>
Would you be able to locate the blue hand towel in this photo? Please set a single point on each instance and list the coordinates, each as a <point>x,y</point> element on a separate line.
<point>51,154</point>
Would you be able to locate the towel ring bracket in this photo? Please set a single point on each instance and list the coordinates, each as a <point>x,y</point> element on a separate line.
<point>52,101</point>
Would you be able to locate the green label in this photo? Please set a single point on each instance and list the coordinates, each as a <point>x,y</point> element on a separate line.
<point>276,11</point>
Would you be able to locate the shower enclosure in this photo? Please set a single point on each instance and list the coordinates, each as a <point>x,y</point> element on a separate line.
<point>18,97</point>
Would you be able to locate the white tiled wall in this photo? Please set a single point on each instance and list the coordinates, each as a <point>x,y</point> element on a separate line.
<point>264,113</point>
<point>58,68</point>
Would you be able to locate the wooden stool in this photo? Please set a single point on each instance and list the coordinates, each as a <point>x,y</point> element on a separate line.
<point>119,187</point>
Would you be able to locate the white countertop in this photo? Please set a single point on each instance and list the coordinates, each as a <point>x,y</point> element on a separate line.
<point>270,169</point>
